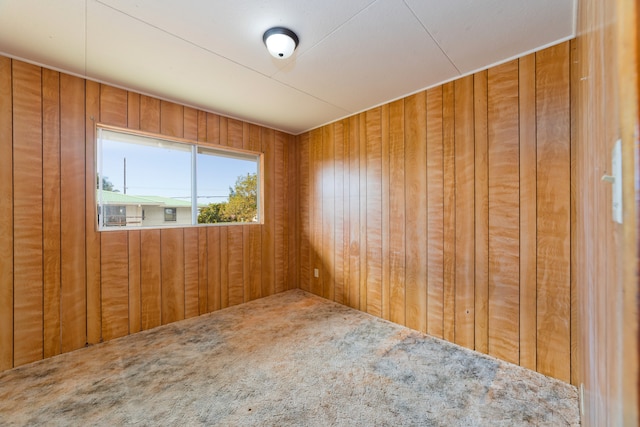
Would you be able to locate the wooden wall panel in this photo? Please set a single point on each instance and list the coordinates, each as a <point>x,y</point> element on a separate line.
<point>115,285</point>
<point>150,279</point>
<point>92,236</point>
<point>481,212</point>
<point>465,203</point>
<point>27,232</point>
<point>397,195</point>
<point>528,211</point>
<point>64,284</point>
<point>435,213</point>
<point>191,274</point>
<point>449,219</point>
<point>504,225</point>
<point>327,201</point>
<point>553,216</point>
<point>374,211</point>
<point>6,220</point>
<point>51,199</point>
<point>135,303</point>
<point>440,210</point>
<point>415,146</point>
<point>72,165</point>
<point>172,274</point>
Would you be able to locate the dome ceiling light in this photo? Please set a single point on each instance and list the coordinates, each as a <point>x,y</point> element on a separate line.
<point>280,41</point>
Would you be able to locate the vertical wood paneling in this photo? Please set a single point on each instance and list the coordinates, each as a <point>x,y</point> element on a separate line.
<point>135,303</point>
<point>304,230</point>
<point>172,283</point>
<point>315,215</point>
<point>133,110</point>
<point>449,218</point>
<point>150,278</point>
<point>235,264</point>
<point>281,212</point>
<point>435,213</point>
<point>203,270</point>
<point>481,213</point>
<point>416,211</point>
<point>190,124</point>
<point>528,203</point>
<point>504,223</point>
<point>374,211</point>
<point>385,159</point>
<point>553,219</point>
<point>171,119</point>
<point>149,114</point>
<point>354,212</point>
<point>113,106</point>
<point>235,130</point>
<point>362,141</point>
<point>340,248</point>
<point>268,228</point>
<point>464,205</point>
<point>396,213</point>
<point>27,233</point>
<point>6,220</point>
<point>92,237</point>
<point>51,201</point>
<point>73,205</point>
<point>191,262</point>
<point>328,206</point>
<point>214,267</point>
<point>115,285</point>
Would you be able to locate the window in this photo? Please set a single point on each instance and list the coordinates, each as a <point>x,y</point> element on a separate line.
<point>151,181</point>
<point>170,214</point>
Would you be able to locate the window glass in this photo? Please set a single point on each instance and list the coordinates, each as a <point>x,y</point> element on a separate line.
<point>147,181</point>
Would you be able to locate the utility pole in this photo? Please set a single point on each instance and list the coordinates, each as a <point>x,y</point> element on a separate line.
<point>125,175</point>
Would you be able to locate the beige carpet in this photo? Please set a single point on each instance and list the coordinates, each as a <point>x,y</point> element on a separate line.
<point>292,359</point>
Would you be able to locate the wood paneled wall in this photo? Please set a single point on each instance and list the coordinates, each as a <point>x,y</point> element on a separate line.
<point>607,76</point>
<point>450,211</point>
<point>63,284</point>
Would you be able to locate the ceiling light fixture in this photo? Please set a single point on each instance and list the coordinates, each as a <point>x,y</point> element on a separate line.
<point>280,41</point>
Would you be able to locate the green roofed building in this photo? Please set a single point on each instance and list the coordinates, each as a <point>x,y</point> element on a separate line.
<point>124,210</point>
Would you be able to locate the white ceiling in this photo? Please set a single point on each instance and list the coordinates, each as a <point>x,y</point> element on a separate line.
<point>353,54</point>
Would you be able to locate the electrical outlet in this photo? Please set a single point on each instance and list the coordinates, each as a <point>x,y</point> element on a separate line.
<point>316,272</point>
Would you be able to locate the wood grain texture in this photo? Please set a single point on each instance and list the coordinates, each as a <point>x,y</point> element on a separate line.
<point>150,279</point>
<point>354,212</point>
<point>339,247</point>
<point>397,235</point>
<point>385,159</point>
<point>504,223</point>
<point>481,213</point>
<point>27,234</point>
<point>191,274</point>
<point>235,129</point>
<point>149,114</point>
<point>113,106</point>
<point>51,199</point>
<point>235,264</point>
<point>553,219</point>
<point>362,142</point>
<point>172,265</point>
<point>115,284</point>
<point>449,218</point>
<point>6,220</point>
<point>281,212</point>
<point>528,214</point>
<point>268,225</point>
<point>190,123</point>
<point>203,270</point>
<point>464,206</point>
<point>435,213</point>
<point>327,254</point>
<point>214,275</point>
<point>135,304</point>
<point>171,119</point>
<point>374,211</point>
<point>92,237</point>
<point>416,211</point>
<point>133,110</point>
<point>72,189</point>
<point>304,229</point>
<point>315,214</point>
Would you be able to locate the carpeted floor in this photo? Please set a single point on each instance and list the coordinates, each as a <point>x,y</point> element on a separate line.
<point>292,359</point>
